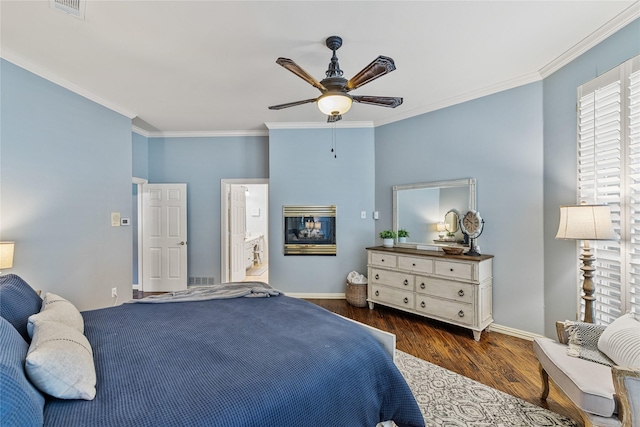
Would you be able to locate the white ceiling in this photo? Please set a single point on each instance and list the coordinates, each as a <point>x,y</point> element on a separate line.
<point>209,66</point>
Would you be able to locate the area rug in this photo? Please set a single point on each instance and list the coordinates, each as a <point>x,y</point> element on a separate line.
<point>449,399</point>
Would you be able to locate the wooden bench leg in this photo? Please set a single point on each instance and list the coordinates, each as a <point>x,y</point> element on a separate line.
<point>545,383</point>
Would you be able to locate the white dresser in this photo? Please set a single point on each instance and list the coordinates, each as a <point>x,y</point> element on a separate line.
<point>451,288</point>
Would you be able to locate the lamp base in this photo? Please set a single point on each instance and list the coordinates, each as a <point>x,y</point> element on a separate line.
<point>588,288</point>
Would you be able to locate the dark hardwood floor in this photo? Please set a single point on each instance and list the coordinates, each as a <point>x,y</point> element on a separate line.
<point>501,361</point>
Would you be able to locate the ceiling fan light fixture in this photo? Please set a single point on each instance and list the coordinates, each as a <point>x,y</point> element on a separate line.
<point>334,104</point>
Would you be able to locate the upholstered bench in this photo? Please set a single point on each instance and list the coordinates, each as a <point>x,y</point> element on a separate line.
<point>605,395</point>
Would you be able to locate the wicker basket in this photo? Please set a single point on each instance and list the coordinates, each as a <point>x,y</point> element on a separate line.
<point>356,294</point>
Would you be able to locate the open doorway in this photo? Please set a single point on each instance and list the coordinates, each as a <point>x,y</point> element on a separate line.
<point>244,230</point>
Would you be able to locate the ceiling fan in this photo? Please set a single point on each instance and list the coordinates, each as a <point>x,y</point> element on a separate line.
<point>335,99</point>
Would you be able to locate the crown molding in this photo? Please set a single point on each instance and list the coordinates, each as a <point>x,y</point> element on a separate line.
<point>617,23</point>
<point>197,134</point>
<point>21,62</point>
<point>140,131</point>
<point>206,134</point>
<point>318,125</point>
<point>469,96</point>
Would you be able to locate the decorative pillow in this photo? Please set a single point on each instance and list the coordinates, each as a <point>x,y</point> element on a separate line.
<point>18,301</point>
<point>621,341</point>
<point>21,404</point>
<point>57,309</point>
<point>60,361</point>
<point>583,341</point>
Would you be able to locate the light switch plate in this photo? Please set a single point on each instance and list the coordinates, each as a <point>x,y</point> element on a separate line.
<point>363,214</point>
<point>115,219</point>
<point>125,221</point>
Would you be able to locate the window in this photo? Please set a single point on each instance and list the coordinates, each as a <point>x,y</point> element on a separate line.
<point>609,173</point>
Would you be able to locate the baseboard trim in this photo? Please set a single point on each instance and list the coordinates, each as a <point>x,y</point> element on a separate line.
<point>304,295</point>
<point>501,329</point>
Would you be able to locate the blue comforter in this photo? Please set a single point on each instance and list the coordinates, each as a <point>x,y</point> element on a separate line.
<point>242,362</point>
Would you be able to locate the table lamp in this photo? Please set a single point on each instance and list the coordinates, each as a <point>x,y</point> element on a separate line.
<point>6,255</point>
<point>586,222</point>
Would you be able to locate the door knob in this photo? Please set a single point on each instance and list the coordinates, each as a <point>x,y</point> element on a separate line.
<point>183,243</point>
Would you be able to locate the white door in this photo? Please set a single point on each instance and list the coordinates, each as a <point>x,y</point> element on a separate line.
<point>164,237</point>
<point>238,228</point>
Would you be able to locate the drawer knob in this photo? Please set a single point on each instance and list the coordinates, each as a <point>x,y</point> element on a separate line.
<point>422,285</point>
<point>377,293</point>
<point>406,282</point>
<point>377,276</point>
<point>461,292</point>
<point>451,269</point>
<point>414,264</point>
<point>382,260</point>
<point>406,300</point>
<point>461,313</point>
<point>422,304</point>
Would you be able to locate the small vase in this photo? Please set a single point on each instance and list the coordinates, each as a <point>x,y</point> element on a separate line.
<point>387,243</point>
<point>402,240</point>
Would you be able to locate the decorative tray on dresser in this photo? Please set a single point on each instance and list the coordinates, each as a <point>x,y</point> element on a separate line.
<point>451,288</point>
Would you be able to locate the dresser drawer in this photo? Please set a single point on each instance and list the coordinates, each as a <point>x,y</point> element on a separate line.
<point>457,270</point>
<point>462,292</point>
<point>418,265</point>
<point>391,296</point>
<point>391,278</point>
<point>384,260</point>
<point>453,311</point>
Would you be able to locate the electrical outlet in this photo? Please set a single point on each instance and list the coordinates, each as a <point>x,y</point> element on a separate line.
<point>363,214</point>
<point>114,292</point>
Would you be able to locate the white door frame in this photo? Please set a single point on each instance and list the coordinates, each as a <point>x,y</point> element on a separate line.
<point>139,182</point>
<point>224,220</point>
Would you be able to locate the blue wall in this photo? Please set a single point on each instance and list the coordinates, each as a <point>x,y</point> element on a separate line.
<point>303,171</point>
<point>65,166</point>
<point>560,163</point>
<point>496,139</point>
<point>140,153</point>
<point>201,163</point>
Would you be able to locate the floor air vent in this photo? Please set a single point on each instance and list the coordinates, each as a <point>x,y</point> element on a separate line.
<point>201,281</point>
<point>72,7</point>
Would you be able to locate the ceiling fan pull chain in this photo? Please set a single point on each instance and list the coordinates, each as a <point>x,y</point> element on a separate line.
<point>334,149</point>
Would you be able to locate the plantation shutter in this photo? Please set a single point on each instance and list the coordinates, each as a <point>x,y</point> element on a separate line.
<point>600,181</point>
<point>633,136</point>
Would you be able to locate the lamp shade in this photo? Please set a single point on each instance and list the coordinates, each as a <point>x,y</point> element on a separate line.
<point>6,254</point>
<point>441,226</point>
<point>585,222</point>
<point>333,104</point>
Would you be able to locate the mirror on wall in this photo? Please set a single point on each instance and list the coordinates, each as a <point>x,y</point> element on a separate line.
<point>430,211</point>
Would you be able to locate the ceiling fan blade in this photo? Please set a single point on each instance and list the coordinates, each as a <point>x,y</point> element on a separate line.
<point>333,119</point>
<point>291,104</point>
<point>379,67</point>
<point>298,71</point>
<point>382,101</point>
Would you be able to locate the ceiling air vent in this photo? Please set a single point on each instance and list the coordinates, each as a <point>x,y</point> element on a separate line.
<point>72,7</point>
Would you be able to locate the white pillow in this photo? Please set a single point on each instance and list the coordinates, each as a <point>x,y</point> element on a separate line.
<point>60,361</point>
<point>621,341</point>
<point>57,309</point>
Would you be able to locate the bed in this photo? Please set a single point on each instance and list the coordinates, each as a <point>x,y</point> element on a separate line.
<point>271,361</point>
